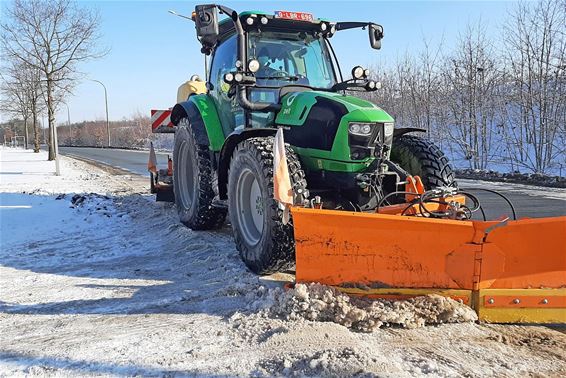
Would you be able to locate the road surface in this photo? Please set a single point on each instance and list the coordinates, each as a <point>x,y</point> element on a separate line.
<point>529,201</point>
<point>129,160</point>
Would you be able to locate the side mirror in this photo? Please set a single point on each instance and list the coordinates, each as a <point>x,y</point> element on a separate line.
<point>206,20</point>
<point>375,35</point>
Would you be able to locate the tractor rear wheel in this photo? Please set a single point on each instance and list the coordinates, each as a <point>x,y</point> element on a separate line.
<point>421,157</point>
<point>266,245</point>
<point>194,181</point>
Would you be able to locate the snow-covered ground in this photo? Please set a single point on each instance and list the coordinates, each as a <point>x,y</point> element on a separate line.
<point>97,279</point>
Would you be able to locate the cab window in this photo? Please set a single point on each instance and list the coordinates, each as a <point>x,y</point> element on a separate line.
<point>288,58</point>
<point>230,113</point>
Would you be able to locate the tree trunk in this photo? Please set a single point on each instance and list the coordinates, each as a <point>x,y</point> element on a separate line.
<point>35,132</point>
<point>51,118</point>
<point>26,136</point>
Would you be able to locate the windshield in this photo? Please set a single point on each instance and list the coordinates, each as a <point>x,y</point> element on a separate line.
<point>291,58</point>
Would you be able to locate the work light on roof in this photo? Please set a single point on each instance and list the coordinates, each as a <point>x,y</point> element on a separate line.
<point>358,72</point>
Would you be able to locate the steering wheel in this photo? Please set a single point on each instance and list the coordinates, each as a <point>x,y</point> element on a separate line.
<point>279,73</point>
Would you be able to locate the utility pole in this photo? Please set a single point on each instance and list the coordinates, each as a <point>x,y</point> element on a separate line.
<point>106,102</point>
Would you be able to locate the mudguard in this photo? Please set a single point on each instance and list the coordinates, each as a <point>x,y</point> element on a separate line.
<point>201,111</point>
<point>226,153</point>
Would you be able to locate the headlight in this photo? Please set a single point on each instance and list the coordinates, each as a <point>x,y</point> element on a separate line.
<point>362,129</point>
<point>388,128</point>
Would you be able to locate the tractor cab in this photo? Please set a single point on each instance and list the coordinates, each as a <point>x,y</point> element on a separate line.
<point>258,58</point>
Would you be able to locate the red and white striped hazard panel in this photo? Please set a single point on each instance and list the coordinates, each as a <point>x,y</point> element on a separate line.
<point>161,121</point>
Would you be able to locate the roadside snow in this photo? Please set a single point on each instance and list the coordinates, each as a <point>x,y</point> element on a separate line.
<point>530,190</point>
<point>111,284</point>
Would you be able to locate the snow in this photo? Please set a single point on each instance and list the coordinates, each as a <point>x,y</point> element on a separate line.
<point>97,279</point>
<point>323,303</point>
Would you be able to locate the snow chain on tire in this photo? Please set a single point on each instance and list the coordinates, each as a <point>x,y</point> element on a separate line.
<point>421,157</point>
<point>200,215</point>
<point>275,250</point>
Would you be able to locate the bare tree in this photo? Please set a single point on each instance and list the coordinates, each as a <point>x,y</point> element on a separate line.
<point>21,92</point>
<point>53,36</point>
<point>412,91</point>
<point>536,61</point>
<point>15,99</point>
<point>473,82</point>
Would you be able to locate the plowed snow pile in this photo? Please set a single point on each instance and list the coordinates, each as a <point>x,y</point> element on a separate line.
<point>322,303</point>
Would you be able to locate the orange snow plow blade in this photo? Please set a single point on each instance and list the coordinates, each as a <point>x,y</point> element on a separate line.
<point>508,271</point>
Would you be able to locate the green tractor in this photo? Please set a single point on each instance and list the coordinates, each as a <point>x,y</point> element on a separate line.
<point>280,71</point>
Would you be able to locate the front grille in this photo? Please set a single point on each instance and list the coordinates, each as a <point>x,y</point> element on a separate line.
<point>362,147</point>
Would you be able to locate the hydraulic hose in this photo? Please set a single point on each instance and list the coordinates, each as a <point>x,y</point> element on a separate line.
<point>502,196</point>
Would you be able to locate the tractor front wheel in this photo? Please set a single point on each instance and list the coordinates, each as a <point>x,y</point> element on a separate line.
<point>421,157</point>
<point>266,245</point>
<point>194,181</point>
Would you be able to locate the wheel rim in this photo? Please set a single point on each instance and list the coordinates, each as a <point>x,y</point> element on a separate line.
<point>250,209</point>
<point>186,178</point>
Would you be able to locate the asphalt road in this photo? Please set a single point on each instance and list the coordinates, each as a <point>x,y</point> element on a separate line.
<point>130,160</point>
<point>529,201</point>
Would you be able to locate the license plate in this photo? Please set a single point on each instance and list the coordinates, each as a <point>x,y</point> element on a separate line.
<point>298,16</point>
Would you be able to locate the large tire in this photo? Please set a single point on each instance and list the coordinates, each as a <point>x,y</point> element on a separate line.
<point>421,157</point>
<point>194,181</point>
<point>266,245</point>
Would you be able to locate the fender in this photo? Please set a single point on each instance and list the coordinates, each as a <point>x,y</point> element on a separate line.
<point>228,149</point>
<point>203,116</point>
<point>404,130</point>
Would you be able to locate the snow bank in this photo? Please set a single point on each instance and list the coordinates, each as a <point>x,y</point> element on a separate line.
<point>322,303</point>
<point>513,177</point>
<point>24,171</point>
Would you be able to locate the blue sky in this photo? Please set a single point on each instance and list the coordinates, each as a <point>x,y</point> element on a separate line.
<point>153,52</point>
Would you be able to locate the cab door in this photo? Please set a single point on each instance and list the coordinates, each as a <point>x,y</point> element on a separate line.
<point>224,61</point>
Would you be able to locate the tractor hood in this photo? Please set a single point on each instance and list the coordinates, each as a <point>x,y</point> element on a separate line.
<point>297,106</point>
<point>317,126</point>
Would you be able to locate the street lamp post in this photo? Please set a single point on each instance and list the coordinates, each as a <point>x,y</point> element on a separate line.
<point>106,102</point>
<point>69,123</point>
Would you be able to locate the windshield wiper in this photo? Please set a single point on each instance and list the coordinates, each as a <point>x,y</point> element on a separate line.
<point>286,78</point>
